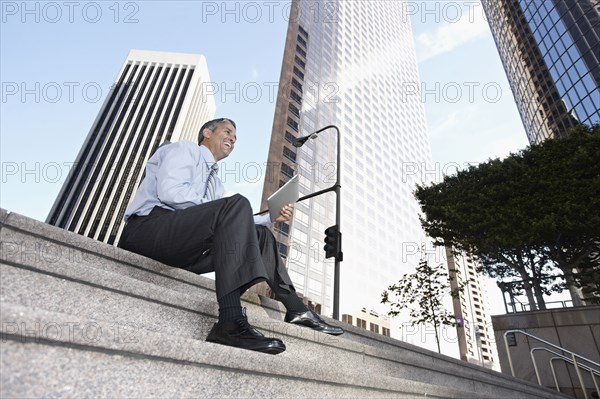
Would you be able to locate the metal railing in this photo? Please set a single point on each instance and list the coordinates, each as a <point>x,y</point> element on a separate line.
<point>573,360</point>
<point>593,372</point>
<point>513,307</point>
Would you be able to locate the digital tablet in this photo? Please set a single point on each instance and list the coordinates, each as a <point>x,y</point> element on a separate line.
<point>287,194</point>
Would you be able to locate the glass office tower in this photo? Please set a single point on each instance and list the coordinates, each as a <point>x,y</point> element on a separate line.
<point>351,64</point>
<point>550,50</point>
<point>156,97</point>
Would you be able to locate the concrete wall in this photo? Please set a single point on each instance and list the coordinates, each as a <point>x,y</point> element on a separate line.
<point>575,329</point>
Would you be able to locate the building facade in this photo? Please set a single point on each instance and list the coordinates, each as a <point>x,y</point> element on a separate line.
<point>369,320</point>
<point>475,332</point>
<point>350,64</point>
<point>156,97</point>
<point>550,50</point>
<point>574,329</point>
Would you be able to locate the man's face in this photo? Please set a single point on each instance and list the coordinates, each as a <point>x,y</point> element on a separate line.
<point>221,141</point>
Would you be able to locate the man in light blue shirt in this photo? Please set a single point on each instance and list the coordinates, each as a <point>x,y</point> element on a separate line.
<point>180,217</point>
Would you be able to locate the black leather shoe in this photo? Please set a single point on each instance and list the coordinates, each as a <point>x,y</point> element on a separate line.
<point>312,320</point>
<point>241,334</point>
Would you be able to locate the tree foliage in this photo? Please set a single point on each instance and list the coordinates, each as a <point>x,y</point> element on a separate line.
<point>422,293</point>
<point>533,215</point>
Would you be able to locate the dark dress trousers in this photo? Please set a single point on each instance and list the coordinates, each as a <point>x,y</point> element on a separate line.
<point>217,236</point>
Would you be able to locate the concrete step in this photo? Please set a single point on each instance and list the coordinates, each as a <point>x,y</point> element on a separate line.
<point>49,269</point>
<point>57,355</point>
<point>166,312</point>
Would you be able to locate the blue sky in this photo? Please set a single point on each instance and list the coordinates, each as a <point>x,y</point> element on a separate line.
<point>59,59</point>
<point>58,62</point>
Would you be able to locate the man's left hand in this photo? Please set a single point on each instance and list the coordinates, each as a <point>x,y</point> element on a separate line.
<point>286,213</point>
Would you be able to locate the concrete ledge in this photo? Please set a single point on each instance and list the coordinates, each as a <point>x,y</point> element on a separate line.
<point>78,248</point>
<point>99,349</point>
<point>69,276</point>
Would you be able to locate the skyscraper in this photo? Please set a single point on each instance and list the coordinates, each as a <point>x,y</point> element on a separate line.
<point>350,64</point>
<point>156,97</point>
<point>550,50</point>
<point>475,333</point>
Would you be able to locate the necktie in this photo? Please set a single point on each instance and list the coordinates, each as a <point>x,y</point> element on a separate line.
<point>211,183</point>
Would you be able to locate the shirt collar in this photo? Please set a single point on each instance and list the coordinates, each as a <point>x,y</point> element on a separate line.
<point>208,158</point>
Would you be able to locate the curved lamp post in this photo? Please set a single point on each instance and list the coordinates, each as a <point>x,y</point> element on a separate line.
<point>333,235</point>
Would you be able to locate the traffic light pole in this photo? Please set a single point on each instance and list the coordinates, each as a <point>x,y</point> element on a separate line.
<point>340,255</point>
<point>337,188</point>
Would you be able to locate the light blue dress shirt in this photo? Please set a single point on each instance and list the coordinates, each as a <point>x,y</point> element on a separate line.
<point>176,177</point>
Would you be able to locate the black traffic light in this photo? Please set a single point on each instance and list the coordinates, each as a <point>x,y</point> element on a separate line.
<point>333,243</point>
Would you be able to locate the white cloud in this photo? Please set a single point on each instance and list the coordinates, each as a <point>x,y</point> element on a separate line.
<point>502,147</point>
<point>473,134</point>
<point>450,36</point>
<point>448,124</point>
<point>455,122</point>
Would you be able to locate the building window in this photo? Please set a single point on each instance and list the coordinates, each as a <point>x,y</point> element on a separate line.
<point>289,137</point>
<point>287,170</point>
<point>295,96</point>
<point>315,306</point>
<point>284,229</point>
<point>297,85</point>
<point>385,331</point>
<point>300,62</point>
<point>346,318</point>
<point>289,154</point>
<point>361,323</point>
<point>294,110</point>
<point>298,73</point>
<point>302,31</point>
<point>283,249</point>
<point>300,51</point>
<point>301,40</point>
<point>292,123</point>
<point>374,328</point>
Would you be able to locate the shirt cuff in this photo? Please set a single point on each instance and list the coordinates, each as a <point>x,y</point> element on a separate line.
<point>264,220</point>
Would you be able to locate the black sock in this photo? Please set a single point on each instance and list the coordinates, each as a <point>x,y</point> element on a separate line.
<point>230,306</point>
<point>292,302</point>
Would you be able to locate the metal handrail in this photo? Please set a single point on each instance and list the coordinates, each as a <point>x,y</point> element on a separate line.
<point>593,372</point>
<point>526,307</point>
<point>574,356</point>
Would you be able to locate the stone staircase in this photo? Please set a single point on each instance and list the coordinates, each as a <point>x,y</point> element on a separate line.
<point>81,318</point>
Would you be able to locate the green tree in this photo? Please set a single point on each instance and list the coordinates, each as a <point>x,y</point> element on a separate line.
<point>533,215</point>
<point>566,203</point>
<point>422,293</point>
